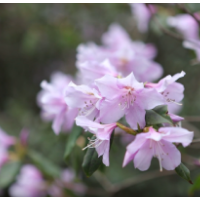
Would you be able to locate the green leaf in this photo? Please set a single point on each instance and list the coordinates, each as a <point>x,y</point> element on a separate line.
<point>91,161</point>
<point>183,172</point>
<point>8,173</point>
<point>157,116</point>
<point>76,132</point>
<point>195,186</point>
<point>45,165</point>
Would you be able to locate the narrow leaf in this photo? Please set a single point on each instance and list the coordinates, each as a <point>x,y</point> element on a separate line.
<point>75,133</point>
<point>45,165</point>
<point>8,173</point>
<point>183,172</point>
<point>158,115</point>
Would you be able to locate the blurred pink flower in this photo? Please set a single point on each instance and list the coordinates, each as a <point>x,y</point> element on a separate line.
<point>185,24</point>
<point>5,142</point>
<point>142,14</point>
<point>29,183</point>
<point>52,102</point>
<point>124,55</point>
<point>171,90</point>
<point>86,98</point>
<point>126,96</point>
<point>157,144</point>
<point>103,134</point>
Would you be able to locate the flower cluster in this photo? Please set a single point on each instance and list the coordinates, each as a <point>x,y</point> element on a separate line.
<point>115,81</point>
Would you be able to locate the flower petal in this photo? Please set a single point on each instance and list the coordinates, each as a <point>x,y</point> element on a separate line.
<point>171,157</point>
<point>143,157</point>
<point>136,115</point>
<point>177,134</point>
<point>149,98</point>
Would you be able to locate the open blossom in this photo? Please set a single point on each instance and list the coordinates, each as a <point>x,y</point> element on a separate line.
<point>124,54</point>
<point>29,183</point>
<point>171,90</point>
<point>158,144</point>
<point>126,96</point>
<point>142,15</point>
<point>91,70</point>
<point>186,25</point>
<point>51,100</point>
<point>103,134</point>
<point>5,142</point>
<point>86,98</point>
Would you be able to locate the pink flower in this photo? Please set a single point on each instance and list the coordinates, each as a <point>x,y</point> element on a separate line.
<point>171,90</point>
<point>103,133</point>
<point>86,98</point>
<point>186,25</point>
<point>157,144</point>
<point>52,102</point>
<point>124,55</point>
<point>91,70</point>
<point>142,15</point>
<point>29,183</point>
<point>127,97</point>
<point>5,142</point>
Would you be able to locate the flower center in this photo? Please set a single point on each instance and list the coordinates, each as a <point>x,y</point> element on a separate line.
<point>127,99</point>
<point>165,94</point>
<point>89,107</point>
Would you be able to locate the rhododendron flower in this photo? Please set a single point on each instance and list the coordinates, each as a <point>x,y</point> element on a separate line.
<point>85,98</point>
<point>142,15</point>
<point>92,70</point>
<point>29,183</point>
<point>157,144</point>
<point>124,54</point>
<point>171,90</point>
<point>103,134</point>
<point>52,102</point>
<point>186,25</point>
<point>127,97</point>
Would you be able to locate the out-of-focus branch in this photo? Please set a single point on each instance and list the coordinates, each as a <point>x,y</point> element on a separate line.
<point>184,9</point>
<point>192,118</point>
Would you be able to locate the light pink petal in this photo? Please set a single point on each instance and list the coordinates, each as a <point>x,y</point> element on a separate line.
<point>127,158</point>
<point>175,118</point>
<point>136,115</point>
<point>176,77</point>
<point>143,157</point>
<point>58,121</point>
<point>85,122</point>
<point>103,149</point>
<point>110,111</point>
<point>108,86</point>
<point>131,81</point>
<point>171,157</point>
<point>149,99</point>
<point>5,139</point>
<point>177,134</point>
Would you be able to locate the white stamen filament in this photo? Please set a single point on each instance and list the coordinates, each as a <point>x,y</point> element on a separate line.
<point>93,143</point>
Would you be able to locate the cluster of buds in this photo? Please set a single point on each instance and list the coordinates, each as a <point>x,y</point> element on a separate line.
<point>115,81</point>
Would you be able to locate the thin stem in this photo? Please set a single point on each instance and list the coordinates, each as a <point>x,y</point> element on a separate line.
<point>126,129</point>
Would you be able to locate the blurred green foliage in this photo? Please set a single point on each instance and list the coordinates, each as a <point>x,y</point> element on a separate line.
<point>38,39</point>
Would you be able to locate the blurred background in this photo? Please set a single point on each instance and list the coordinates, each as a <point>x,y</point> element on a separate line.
<point>38,39</point>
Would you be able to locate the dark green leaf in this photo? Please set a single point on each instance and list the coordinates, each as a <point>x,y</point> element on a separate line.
<point>183,172</point>
<point>45,165</point>
<point>75,133</point>
<point>158,115</point>
<point>8,173</point>
<point>91,162</point>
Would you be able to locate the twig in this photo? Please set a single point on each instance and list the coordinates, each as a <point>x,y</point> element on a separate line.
<point>195,141</point>
<point>192,118</point>
<point>183,8</point>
